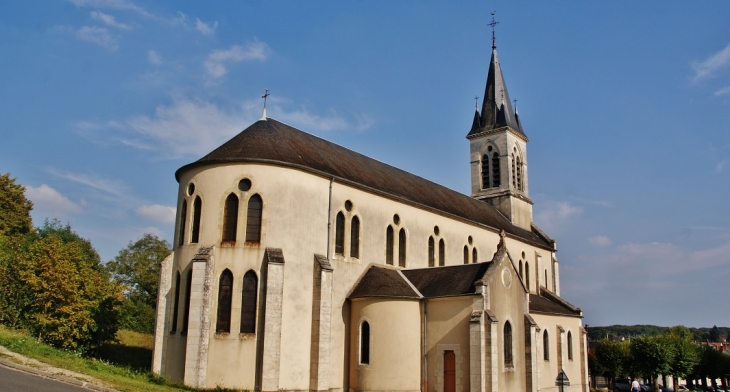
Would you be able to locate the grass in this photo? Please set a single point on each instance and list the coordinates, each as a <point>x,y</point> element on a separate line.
<point>124,366</point>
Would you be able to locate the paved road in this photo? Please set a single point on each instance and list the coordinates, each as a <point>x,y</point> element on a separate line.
<point>12,380</point>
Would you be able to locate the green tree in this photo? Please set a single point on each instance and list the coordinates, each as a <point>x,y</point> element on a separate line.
<point>137,269</point>
<point>73,303</point>
<point>686,352</point>
<point>612,358</point>
<point>14,208</point>
<point>651,356</point>
<point>715,334</point>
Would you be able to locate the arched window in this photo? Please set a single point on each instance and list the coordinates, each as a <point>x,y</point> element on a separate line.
<point>570,346</point>
<point>466,254</point>
<point>507,344</point>
<point>545,346</point>
<point>355,237</point>
<point>442,252</point>
<point>230,218</point>
<point>402,248</point>
<point>546,280</point>
<point>183,218</point>
<point>340,234</point>
<point>431,252</point>
<point>389,245</point>
<point>527,275</point>
<point>522,275</point>
<point>248,302</point>
<point>519,174</point>
<point>177,302</point>
<point>496,173</point>
<point>195,233</point>
<point>485,171</point>
<point>365,343</point>
<point>514,178</point>
<point>225,293</point>
<point>474,255</point>
<point>253,219</point>
<point>186,311</point>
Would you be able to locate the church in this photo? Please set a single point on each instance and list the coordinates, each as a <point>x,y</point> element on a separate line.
<point>301,265</point>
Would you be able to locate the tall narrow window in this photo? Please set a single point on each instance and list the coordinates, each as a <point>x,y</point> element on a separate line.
<point>522,275</point>
<point>527,275</point>
<point>186,311</point>
<point>402,248</point>
<point>177,302</point>
<point>519,174</point>
<point>496,173</point>
<point>466,254</point>
<point>389,245</point>
<point>545,346</point>
<point>365,343</point>
<point>183,217</point>
<point>514,179</point>
<point>474,255</point>
<point>355,237</point>
<point>248,302</point>
<point>340,234</point>
<point>253,220</point>
<point>485,171</point>
<point>546,284</point>
<point>230,218</point>
<point>570,346</point>
<point>195,233</point>
<point>431,252</point>
<point>507,344</point>
<point>225,293</point>
<point>442,252</point>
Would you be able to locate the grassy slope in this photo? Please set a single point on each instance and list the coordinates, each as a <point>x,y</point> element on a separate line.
<point>124,366</point>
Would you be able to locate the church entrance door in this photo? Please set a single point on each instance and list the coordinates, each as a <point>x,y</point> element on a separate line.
<point>449,371</point>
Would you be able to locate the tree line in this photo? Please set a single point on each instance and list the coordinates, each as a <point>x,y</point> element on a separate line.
<point>714,334</point>
<point>674,353</point>
<point>56,287</point>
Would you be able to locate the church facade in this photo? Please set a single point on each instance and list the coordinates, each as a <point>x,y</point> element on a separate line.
<point>301,265</point>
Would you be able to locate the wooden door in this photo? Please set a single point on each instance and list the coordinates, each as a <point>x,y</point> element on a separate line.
<point>449,371</point>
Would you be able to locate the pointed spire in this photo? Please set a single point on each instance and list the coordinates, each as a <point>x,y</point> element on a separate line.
<point>497,109</point>
<point>475,125</point>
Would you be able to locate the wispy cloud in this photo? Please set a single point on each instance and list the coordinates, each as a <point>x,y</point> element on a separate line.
<point>50,201</point>
<point>112,187</point>
<point>156,212</point>
<point>154,57</point>
<point>722,91</point>
<point>552,215</point>
<point>109,20</point>
<point>215,64</point>
<point>204,28</point>
<point>708,67</point>
<point>98,36</point>
<point>600,240</point>
<point>720,167</point>
<point>111,4</point>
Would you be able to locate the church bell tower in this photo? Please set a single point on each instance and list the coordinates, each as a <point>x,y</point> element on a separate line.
<point>498,150</point>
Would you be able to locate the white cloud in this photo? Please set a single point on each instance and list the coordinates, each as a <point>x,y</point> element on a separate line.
<point>156,212</point>
<point>722,91</point>
<point>600,240</point>
<point>112,187</point>
<point>205,28</point>
<point>109,20</point>
<point>97,35</point>
<point>552,215</point>
<point>111,4</point>
<point>50,201</point>
<point>154,57</point>
<point>708,67</point>
<point>720,166</point>
<point>215,63</point>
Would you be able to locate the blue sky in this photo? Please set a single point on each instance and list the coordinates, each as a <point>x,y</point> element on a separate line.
<point>626,104</point>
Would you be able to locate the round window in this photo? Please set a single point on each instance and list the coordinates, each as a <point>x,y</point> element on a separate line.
<point>244,184</point>
<point>470,240</point>
<point>191,189</point>
<point>436,230</point>
<point>348,205</point>
<point>396,219</point>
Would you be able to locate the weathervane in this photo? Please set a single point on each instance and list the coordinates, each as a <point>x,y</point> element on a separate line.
<point>493,24</point>
<point>266,95</point>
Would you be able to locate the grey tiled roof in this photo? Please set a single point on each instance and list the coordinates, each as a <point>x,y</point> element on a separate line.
<point>381,281</point>
<point>270,141</point>
<point>551,304</point>
<point>448,281</point>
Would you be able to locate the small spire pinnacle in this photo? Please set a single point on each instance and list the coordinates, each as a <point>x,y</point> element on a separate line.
<point>515,101</point>
<point>493,24</point>
<point>476,102</point>
<point>266,95</point>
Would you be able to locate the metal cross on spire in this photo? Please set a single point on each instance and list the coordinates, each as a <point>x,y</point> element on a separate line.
<point>266,95</point>
<point>493,24</point>
<point>476,102</point>
<point>515,102</point>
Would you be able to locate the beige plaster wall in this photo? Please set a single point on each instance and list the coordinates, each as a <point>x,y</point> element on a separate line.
<point>395,345</point>
<point>448,329</point>
<point>548,370</point>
